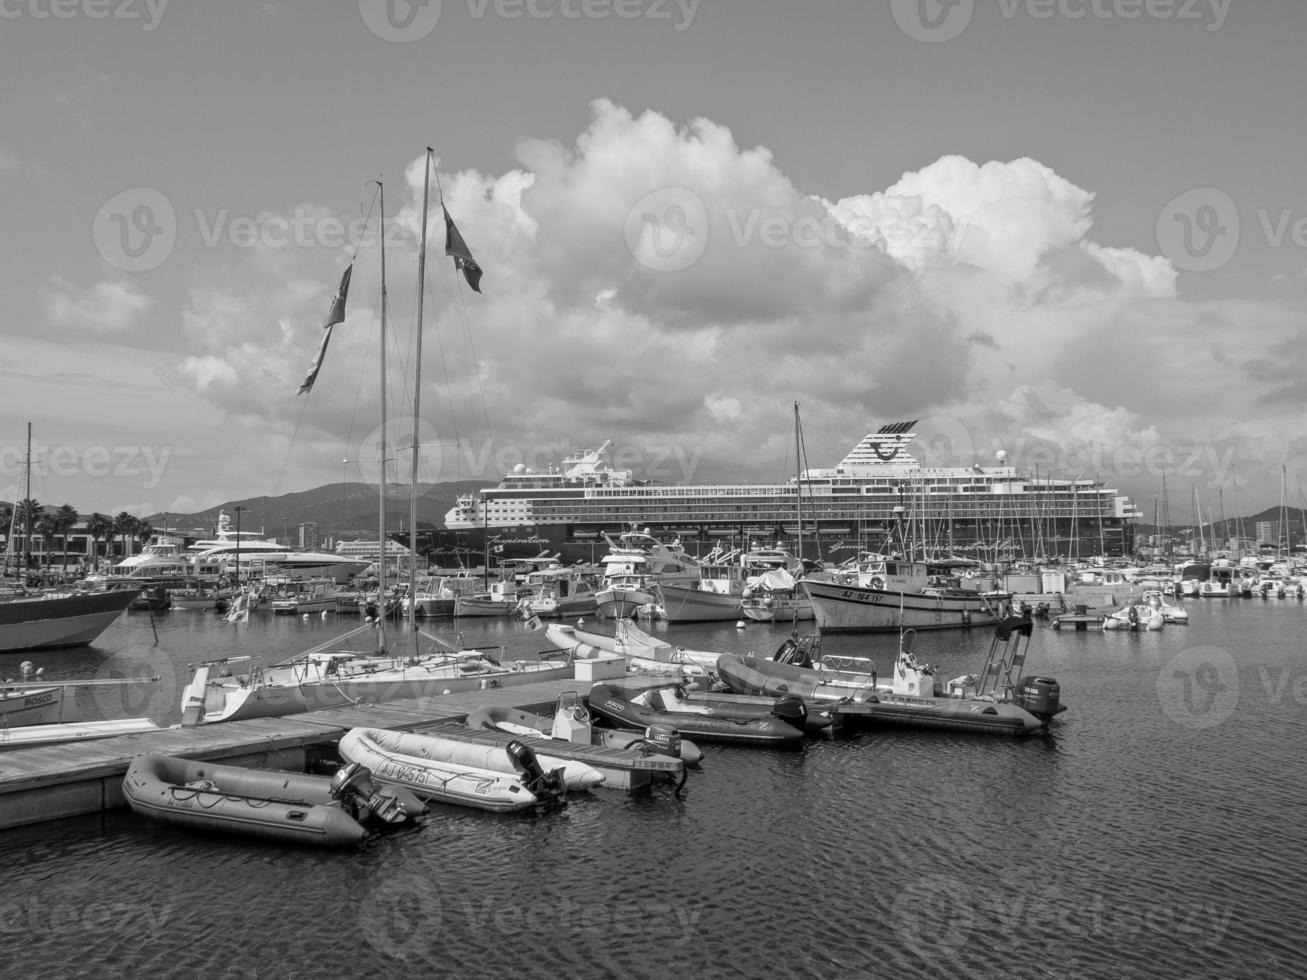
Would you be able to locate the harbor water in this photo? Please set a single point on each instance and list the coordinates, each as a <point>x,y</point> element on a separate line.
<point>1157,832</point>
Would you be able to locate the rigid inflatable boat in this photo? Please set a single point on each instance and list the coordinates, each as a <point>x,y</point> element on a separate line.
<point>285,806</point>
<point>404,759</point>
<point>769,730</point>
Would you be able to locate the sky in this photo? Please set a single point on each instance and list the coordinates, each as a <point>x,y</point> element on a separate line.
<point>1067,234</point>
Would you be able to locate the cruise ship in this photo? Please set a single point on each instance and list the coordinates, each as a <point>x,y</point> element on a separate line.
<point>878,498</point>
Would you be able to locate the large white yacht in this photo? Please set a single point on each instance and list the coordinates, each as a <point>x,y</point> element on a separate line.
<point>257,552</point>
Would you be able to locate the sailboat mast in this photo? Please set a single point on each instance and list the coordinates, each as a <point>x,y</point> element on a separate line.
<point>26,510</point>
<point>798,481</point>
<point>417,414</point>
<point>381,488</point>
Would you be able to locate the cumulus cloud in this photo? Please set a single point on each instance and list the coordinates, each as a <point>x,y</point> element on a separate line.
<point>663,286</point>
<point>108,307</point>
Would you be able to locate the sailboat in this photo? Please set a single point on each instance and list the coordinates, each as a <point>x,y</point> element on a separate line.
<point>774,597</point>
<point>324,677</point>
<point>46,620</point>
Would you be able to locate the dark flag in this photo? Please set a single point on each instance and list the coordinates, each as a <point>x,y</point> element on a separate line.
<point>334,316</point>
<point>462,255</point>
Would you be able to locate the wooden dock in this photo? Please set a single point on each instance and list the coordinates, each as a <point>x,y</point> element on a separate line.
<point>55,781</point>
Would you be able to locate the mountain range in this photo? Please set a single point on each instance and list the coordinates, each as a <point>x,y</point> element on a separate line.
<point>338,509</point>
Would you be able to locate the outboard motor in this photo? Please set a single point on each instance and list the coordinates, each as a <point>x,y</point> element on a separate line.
<point>353,788</point>
<point>664,739</point>
<point>546,785</point>
<point>1041,696</point>
<point>791,708</point>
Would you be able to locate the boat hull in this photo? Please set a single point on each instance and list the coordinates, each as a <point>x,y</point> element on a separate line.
<point>770,731</point>
<point>478,606</point>
<point>63,621</point>
<point>619,603</point>
<point>395,758</point>
<point>753,675</point>
<point>231,700</point>
<point>974,717</point>
<point>693,605</point>
<point>858,609</point>
<point>279,806</point>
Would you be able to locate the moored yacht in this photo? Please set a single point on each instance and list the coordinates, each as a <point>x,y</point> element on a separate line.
<point>254,550</point>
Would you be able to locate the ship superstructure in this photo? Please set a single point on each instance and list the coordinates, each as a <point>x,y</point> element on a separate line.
<point>878,497</point>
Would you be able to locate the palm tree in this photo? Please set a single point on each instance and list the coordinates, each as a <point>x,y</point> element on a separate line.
<point>66,517</point>
<point>99,527</point>
<point>143,531</point>
<point>47,525</point>
<point>124,525</point>
<point>29,510</point>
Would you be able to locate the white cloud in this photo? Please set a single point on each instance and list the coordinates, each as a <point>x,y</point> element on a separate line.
<point>108,307</point>
<point>963,288</point>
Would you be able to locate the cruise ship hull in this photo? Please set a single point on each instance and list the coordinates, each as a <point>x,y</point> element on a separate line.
<point>855,609</point>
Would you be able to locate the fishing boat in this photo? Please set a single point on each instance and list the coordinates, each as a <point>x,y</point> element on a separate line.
<point>560,593</point>
<point>782,727</point>
<point>998,701</point>
<point>635,561</point>
<point>500,599</point>
<point>50,620</point>
<point>299,596</point>
<point>283,806</point>
<point>403,759</point>
<point>330,677</point>
<point>901,594</point>
<point>775,598</point>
